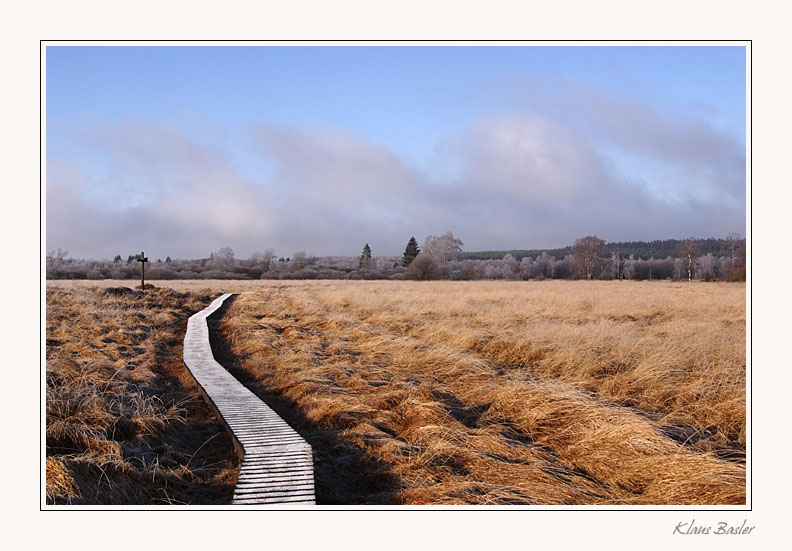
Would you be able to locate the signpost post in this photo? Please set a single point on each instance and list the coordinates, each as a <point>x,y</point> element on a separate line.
<point>142,261</point>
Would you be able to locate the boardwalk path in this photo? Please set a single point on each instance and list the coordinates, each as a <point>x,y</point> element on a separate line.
<point>277,464</point>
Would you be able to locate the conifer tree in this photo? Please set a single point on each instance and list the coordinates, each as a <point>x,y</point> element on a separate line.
<point>365,257</point>
<point>410,252</point>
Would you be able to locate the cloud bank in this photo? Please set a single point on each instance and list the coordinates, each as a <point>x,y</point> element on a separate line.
<point>535,177</point>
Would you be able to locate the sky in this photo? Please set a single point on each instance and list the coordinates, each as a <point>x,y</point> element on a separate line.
<point>182,150</point>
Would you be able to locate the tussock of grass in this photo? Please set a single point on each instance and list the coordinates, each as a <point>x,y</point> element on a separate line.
<point>483,393</point>
<point>125,423</point>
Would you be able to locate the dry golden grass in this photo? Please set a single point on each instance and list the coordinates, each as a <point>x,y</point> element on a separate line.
<point>549,392</point>
<point>125,422</point>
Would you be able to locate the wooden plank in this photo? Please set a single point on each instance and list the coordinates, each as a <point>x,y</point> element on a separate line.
<point>277,496</point>
<point>271,479</point>
<point>285,455</point>
<point>265,491</point>
<point>296,475</point>
<point>296,500</point>
<point>283,467</point>
<point>295,472</point>
<point>258,458</point>
<point>277,463</point>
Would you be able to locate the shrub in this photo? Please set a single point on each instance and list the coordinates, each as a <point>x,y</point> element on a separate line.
<point>423,268</point>
<point>305,273</point>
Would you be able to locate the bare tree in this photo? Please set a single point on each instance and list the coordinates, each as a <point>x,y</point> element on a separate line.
<point>615,264</point>
<point>300,260</point>
<point>423,268</point>
<point>738,272</point>
<point>628,269</point>
<point>492,269</point>
<point>509,267</point>
<point>469,270</point>
<point>545,265</point>
<point>526,267</point>
<point>58,255</point>
<point>442,248</point>
<point>678,268</point>
<point>586,251</point>
<point>55,261</point>
<point>734,242</point>
<point>706,264</point>
<point>222,260</point>
<point>262,259</point>
<point>689,250</point>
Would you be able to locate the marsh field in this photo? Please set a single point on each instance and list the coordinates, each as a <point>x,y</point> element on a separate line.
<point>478,393</point>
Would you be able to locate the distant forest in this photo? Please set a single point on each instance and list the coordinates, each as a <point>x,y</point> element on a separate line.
<point>441,257</point>
<point>641,250</point>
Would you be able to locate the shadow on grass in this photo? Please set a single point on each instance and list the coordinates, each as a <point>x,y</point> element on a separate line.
<point>343,473</point>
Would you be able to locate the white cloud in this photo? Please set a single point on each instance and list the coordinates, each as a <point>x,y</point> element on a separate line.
<point>529,157</point>
<point>586,164</point>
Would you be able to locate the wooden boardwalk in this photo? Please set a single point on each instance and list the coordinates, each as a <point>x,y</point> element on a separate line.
<point>277,463</point>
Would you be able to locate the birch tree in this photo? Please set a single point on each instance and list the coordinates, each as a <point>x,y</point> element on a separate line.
<point>586,251</point>
<point>442,248</point>
<point>689,250</point>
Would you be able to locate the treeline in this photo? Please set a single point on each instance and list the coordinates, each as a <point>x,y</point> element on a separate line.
<point>441,257</point>
<point>640,250</point>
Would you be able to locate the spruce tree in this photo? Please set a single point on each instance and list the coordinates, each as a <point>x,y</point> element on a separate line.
<point>410,252</point>
<point>365,257</point>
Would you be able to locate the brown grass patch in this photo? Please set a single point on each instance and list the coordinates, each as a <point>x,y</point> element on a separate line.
<point>491,393</point>
<point>125,423</point>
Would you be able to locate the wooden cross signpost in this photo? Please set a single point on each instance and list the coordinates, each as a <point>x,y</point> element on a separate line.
<point>142,261</point>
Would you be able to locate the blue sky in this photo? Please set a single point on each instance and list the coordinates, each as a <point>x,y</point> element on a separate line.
<point>324,148</point>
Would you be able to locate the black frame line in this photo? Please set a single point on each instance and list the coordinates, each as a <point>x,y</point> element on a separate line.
<point>461,508</point>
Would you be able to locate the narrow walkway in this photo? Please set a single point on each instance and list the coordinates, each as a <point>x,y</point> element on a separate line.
<point>277,463</point>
